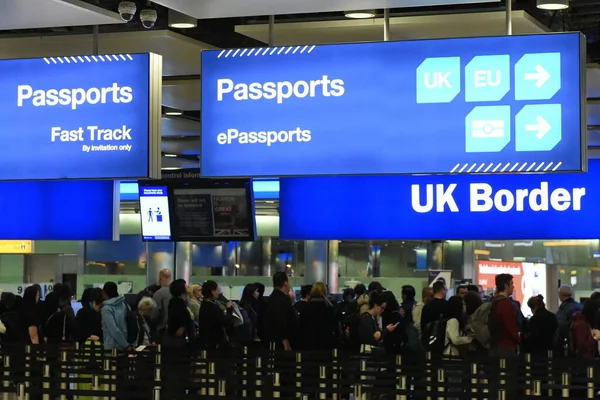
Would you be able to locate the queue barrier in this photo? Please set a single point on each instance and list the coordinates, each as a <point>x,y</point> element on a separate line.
<point>45,373</point>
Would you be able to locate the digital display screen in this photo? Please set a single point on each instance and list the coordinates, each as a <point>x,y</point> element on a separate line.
<point>154,211</point>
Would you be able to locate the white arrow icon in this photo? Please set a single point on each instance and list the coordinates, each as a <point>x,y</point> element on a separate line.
<point>541,76</point>
<point>542,127</point>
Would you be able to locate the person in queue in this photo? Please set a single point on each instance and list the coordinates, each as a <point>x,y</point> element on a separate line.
<point>281,319</point>
<point>317,321</point>
<point>162,297</point>
<point>436,307</point>
<point>139,325</point>
<point>426,296</point>
<point>30,316</point>
<point>539,336</point>
<point>368,327</point>
<point>114,314</point>
<point>179,329</point>
<point>213,323</point>
<point>88,319</point>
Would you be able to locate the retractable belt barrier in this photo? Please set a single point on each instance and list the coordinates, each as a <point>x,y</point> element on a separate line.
<point>90,373</point>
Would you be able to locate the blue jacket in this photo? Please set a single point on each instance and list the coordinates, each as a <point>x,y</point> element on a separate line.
<point>565,315</point>
<point>114,323</point>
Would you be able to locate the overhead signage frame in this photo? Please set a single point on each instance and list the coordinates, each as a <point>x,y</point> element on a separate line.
<point>466,105</point>
<point>81,117</point>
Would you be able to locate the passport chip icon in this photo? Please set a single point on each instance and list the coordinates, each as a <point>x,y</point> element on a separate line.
<point>487,129</point>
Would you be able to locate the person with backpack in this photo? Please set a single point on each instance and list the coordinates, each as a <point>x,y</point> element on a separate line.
<point>431,316</point>
<point>503,323</point>
<point>583,344</point>
<point>60,328</point>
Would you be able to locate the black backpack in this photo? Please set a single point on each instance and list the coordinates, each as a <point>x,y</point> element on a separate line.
<point>350,325</point>
<point>59,326</point>
<point>434,336</point>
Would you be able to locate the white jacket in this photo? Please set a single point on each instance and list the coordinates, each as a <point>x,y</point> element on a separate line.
<point>454,338</point>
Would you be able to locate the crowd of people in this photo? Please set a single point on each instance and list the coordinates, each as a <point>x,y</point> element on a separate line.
<point>371,318</point>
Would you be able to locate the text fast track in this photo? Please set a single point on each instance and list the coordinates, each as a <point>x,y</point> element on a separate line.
<point>94,134</point>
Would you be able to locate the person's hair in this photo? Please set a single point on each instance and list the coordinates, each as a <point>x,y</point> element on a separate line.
<point>95,296</point>
<point>178,287</point>
<point>376,299</point>
<point>57,287</point>
<point>391,302</point>
<point>409,292</point>
<point>460,287</point>
<point>29,295</point>
<point>65,293</point>
<point>191,289</point>
<point>348,292</point>
<point>9,300</point>
<point>454,309</point>
<point>110,289</point>
<point>305,291</point>
<point>318,290</point>
<point>502,281</point>
<point>595,296</point>
<point>280,279</point>
<point>146,304</point>
<point>248,295</point>
<point>536,301</point>
<point>425,290</point>
<point>261,289</point>
<point>207,289</point>
<point>360,289</point>
<point>566,290</point>
<point>438,287</point>
<point>472,288</point>
<point>590,311</point>
<point>86,296</point>
<point>38,287</point>
<point>375,287</point>
<point>472,301</point>
<point>164,273</point>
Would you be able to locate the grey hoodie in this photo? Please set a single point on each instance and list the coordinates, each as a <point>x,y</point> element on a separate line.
<point>114,324</point>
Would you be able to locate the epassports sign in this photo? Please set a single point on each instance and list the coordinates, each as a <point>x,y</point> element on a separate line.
<point>475,105</point>
<point>442,207</point>
<point>80,117</point>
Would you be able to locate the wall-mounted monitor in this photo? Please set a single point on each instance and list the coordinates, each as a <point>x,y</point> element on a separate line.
<point>154,211</point>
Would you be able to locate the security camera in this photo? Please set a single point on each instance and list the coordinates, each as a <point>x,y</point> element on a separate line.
<point>148,17</point>
<point>127,10</point>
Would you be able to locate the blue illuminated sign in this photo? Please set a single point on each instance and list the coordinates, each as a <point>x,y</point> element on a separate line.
<point>81,117</point>
<point>442,207</point>
<point>474,105</point>
<point>59,210</point>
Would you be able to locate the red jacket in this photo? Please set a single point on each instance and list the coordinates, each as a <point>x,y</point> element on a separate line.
<point>508,335</point>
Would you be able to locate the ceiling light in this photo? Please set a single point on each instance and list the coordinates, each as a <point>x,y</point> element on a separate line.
<point>553,4</point>
<point>174,112</point>
<point>178,20</point>
<point>170,155</point>
<point>169,168</point>
<point>361,14</point>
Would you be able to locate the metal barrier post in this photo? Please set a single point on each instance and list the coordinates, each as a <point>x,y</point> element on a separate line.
<point>441,380</point>
<point>550,373</point>
<point>156,393</point>
<point>276,386</point>
<point>259,374</point>
<point>528,374</point>
<point>46,384</point>
<point>335,375</point>
<point>591,392</point>
<point>298,375</point>
<point>222,389</point>
<point>106,368</point>
<point>537,388</point>
<point>7,380</point>
<point>428,373</point>
<point>474,381</point>
<point>28,366</point>
<point>363,378</point>
<point>211,381</point>
<point>502,394</point>
<point>21,391</point>
<point>401,387</point>
<point>157,369</point>
<point>113,377</point>
<point>96,386</point>
<point>245,373</point>
<point>63,375</point>
<point>323,382</point>
<point>566,381</point>
<point>203,372</point>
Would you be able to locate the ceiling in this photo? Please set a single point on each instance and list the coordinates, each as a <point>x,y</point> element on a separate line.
<point>64,27</point>
<point>28,14</point>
